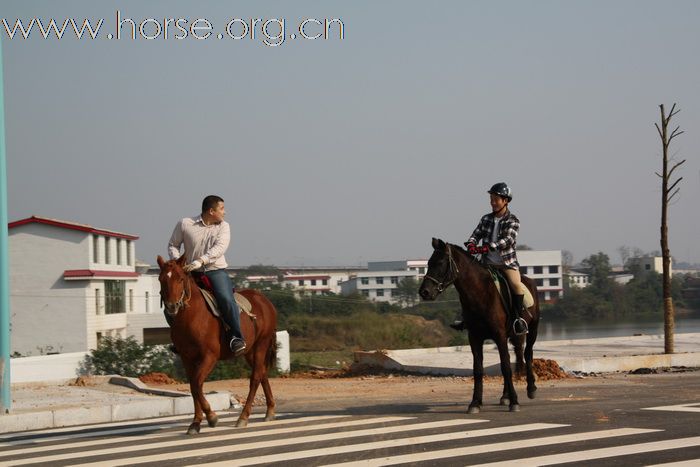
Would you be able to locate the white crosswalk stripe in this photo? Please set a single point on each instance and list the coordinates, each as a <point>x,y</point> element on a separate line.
<point>677,408</point>
<point>333,440</point>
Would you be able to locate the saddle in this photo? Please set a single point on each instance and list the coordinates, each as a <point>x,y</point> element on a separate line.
<point>204,284</point>
<point>506,293</point>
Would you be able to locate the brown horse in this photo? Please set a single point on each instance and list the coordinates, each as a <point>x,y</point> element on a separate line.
<point>199,339</point>
<point>485,317</point>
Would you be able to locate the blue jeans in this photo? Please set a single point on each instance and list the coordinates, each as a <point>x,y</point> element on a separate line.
<point>223,292</point>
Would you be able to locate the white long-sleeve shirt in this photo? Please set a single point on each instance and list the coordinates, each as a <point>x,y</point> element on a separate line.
<point>207,243</point>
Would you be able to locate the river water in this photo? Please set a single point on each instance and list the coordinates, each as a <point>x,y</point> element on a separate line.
<point>558,330</point>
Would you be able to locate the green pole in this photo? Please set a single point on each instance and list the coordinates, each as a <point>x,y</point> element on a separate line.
<point>6,400</point>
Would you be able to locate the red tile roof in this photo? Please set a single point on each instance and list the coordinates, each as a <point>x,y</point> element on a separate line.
<point>71,226</point>
<point>89,274</point>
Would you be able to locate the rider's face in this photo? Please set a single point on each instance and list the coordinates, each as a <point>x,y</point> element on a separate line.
<point>498,203</point>
<point>218,213</point>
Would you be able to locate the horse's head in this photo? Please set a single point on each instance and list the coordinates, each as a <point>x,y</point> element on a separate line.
<point>442,270</point>
<point>174,285</point>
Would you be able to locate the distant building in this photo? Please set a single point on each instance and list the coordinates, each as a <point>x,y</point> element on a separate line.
<point>578,279</point>
<point>650,263</point>
<point>313,280</point>
<point>72,284</point>
<point>544,266</point>
<point>379,286</point>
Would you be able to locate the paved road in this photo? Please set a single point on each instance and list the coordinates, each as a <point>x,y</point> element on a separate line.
<point>646,420</point>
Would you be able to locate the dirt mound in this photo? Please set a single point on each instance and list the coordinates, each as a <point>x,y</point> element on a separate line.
<point>157,378</point>
<point>548,369</point>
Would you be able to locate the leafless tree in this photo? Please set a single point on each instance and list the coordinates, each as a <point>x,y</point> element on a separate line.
<point>669,189</point>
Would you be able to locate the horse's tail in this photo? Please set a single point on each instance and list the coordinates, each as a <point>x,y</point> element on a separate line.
<point>271,355</point>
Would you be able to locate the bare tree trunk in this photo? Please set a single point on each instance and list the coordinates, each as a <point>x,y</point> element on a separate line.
<point>666,194</point>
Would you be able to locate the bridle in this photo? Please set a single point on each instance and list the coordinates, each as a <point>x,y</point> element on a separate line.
<point>452,272</point>
<point>173,308</point>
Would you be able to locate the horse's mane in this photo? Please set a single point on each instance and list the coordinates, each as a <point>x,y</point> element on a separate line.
<point>463,251</point>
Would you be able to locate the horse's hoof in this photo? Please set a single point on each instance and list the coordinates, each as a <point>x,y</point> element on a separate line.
<point>269,417</point>
<point>505,401</point>
<point>241,423</point>
<point>473,409</point>
<point>193,429</point>
<point>532,394</point>
<point>515,408</point>
<point>213,420</point>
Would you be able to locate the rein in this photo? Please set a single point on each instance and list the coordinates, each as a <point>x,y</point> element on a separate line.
<point>174,308</point>
<point>452,272</point>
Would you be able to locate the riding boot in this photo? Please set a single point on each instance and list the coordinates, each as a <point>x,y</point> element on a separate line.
<point>233,334</point>
<point>519,324</point>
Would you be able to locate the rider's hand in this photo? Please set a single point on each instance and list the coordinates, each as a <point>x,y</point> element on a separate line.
<point>471,248</point>
<point>196,264</point>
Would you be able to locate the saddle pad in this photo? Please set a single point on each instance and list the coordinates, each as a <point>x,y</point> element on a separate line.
<point>528,301</point>
<point>242,302</point>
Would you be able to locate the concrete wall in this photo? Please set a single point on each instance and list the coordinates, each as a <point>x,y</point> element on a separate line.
<point>66,366</point>
<point>47,312</point>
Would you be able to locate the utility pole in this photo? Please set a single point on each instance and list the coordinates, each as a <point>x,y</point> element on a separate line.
<point>667,193</point>
<point>5,399</point>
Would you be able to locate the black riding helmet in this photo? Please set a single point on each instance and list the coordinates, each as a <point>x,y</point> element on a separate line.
<point>502,189</point>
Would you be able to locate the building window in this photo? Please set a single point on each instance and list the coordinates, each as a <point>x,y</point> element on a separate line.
<point>324,282</point>
<point>108,257</point>
<point>421,270</point>
<point>131,299</point>
<point>539,282</point>
<point>380,280</point>
<point>394,280</point>
<point>301,282</point>
<point>364,280</point>
<point>98,337</point>
<point>114,297</point>
<point>148,305</point>
<point>554,282</point>
<point>554,269</point>
<point>537,270</point>
<point>647,267</point>
<point>365,293</point>
<point>523,270</point>
<point>95,251</point>
<point>313,281</point>
<point>380,292</point>
<point>97,302</point>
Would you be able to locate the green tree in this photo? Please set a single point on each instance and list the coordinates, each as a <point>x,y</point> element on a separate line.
<point>599,265</point>
<point>406,291</point>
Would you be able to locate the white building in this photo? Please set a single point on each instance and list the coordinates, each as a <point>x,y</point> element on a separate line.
<point>578,279</point>
<point>377,285</point>
<point>651,263</point>
<point>307,280</point>
<point>71,284</point>
<point>544,266</point>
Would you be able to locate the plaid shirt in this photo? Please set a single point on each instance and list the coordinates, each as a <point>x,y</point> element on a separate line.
<point>507,232</point>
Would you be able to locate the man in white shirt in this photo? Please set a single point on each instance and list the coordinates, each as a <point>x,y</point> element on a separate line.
<point>206,238</point>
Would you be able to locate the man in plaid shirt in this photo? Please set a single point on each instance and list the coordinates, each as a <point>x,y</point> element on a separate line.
<point>498,230</point>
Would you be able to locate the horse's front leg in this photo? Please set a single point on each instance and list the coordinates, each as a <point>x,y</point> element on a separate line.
<point>257,363</point>
<point>477,346</point>
<point>197,375</point>
<point>507,372</point>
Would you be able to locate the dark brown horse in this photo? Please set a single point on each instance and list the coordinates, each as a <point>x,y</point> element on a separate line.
<point>199,339</point>
<point>485,317</point>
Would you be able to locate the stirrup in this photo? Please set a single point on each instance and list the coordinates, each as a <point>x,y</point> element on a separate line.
<point>458,325</point>
<point>237,346</point>
<point>523,323</point>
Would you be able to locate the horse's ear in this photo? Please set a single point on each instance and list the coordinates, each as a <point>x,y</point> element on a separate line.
<point>181,260</point>
<point>438,244</point>
<point>161,262</point>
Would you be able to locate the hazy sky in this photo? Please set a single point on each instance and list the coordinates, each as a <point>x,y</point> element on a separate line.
<point>333,152</point>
